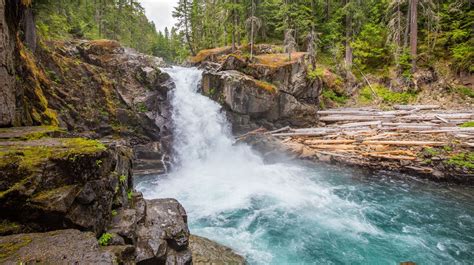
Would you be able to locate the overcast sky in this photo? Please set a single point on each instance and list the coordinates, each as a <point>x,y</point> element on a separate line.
<point>160,12</point>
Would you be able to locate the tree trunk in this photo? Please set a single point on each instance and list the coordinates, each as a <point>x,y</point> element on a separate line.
<point>407,27</point>
<point>186,24</point>
<point>413,33</point>
<point>327,10</point>
<point>234,25</point>
<point>251,40</point>
<point>348,55</point>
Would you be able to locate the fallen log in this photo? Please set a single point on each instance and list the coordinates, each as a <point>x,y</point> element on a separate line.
<point>413,107</point>
<point>405,143</point>
<point>314,142</point>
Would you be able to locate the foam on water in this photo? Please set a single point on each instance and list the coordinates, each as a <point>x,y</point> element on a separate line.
<point>280,213</point>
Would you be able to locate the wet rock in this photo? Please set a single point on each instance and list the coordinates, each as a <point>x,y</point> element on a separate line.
<point>206,251</point>
<point>164,235</point>
<point>7,76</point>
<point>53,183</point>
<point>57,247</point>
<point>125,224</point>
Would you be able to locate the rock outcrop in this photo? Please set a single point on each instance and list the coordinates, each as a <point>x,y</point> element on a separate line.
<point>48,184</point>
<point>271,92</point>
<point>206,251</point>
<point>60,247</point>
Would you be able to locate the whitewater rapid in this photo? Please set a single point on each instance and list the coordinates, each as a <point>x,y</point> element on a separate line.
<point>280,213</point>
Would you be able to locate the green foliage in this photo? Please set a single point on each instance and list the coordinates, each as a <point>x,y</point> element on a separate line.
<point>462,160</point>
<point>468,124</point>
<point>104,239</point>
<point>129,195</point>
<point>335,97</point>
<point>141,107</point>
<point>465,91</point>
<point>120,20</point>
<point>370,49</point>
<point>114,213</point>
<point>313,74</point>
<point>386,95</point>
<point>123,179</point>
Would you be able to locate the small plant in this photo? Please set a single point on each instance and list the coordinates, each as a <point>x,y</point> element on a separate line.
<point>141,107</point>
<point>114,213</point>
<point>98,163</point>
<point>123,179</point>
<point>468,124</point>
<point>129,195</point>
<point>462,160</point>
<point>104,239</point>
<point>465,91</point>
<point>431,151</point>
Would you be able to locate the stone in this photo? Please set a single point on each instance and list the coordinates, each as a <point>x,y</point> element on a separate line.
<point>206,251</point>
<point>164,234</point>
<point>57,247</point>
<point>7,70</point>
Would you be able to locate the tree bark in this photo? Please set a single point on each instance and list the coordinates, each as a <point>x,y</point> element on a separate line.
<point>413,33</point>
<point>186,26</point>
<point>348,55</point>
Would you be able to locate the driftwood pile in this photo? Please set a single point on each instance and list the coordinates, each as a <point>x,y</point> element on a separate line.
<point>371,136</point>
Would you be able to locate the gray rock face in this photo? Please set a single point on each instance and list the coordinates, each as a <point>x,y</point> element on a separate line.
<point>59,247</point>
<point>7,71</point>
<point>206,251</point>
<point>164,234</point>
<point>250,104</point>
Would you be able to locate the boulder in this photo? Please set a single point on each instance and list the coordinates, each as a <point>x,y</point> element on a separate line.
<point>53,183</point>
<point>206,251</point>
<point>59,247</point>
<point>164,235</point>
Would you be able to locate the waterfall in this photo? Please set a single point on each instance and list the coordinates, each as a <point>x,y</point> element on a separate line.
<point>285,212</point>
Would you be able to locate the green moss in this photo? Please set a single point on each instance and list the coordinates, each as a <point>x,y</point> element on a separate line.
<point>104,239</point>
<point>465,91</point>
<point>28,156</point>
<point>386,95</point>
<point>462,160</point>
<point>141,107</point>
<point>9,248</point>
<point>123,179</point>
<point>335,97</point>
<point>48,194</point>
<point>7,227</point>
<point>431,151</point>
<point>468,124</point>
<point>266,86</point>
<point>316,73</point>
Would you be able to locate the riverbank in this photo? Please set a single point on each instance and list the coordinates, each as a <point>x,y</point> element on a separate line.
<point>421,140</point>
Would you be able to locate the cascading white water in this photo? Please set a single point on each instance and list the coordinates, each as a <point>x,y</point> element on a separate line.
<point>278,213</point>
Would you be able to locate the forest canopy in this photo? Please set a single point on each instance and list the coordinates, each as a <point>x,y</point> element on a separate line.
<point>370,34</point>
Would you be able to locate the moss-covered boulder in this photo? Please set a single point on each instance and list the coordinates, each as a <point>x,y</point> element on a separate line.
<point>53,183</point>
<point>60,247</point>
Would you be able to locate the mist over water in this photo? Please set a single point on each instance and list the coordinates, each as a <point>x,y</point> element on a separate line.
<point>301,213</point>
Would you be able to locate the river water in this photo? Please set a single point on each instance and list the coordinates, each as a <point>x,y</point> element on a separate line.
<point>301,213</point>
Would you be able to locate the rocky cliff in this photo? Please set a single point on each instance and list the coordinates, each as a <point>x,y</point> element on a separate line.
<point>78,119</point>
<point>271,91</point>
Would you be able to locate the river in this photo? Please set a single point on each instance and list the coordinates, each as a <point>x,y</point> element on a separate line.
<point>301,213</point>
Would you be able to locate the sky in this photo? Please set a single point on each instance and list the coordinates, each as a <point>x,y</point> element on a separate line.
<point>159,11</point>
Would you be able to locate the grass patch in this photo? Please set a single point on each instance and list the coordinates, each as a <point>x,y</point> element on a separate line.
<point>266,86</point>
<point>278,59</point>
<point>36,152</point>
<point>205,54</point>
<point>386,95</point>
<point>105,239</point>
<point>468,124</point>
<point>462,160</point>
<point>465,91</point>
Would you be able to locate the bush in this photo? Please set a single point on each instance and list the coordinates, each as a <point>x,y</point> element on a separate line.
<point>386,95</point>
